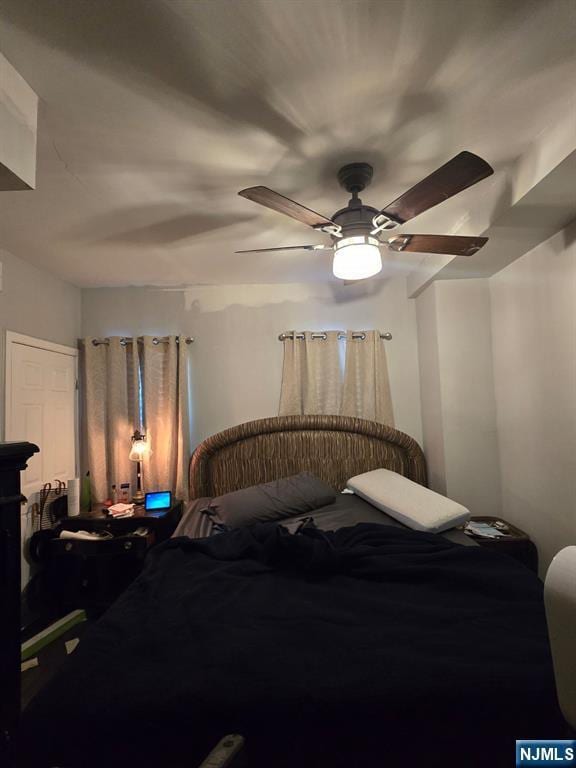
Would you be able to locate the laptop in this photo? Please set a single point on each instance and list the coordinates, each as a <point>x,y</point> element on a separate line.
<point>158,503</point>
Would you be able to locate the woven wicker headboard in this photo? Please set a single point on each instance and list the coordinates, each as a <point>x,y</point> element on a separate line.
<point>333,448</point>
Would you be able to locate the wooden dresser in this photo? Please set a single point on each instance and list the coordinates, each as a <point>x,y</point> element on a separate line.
<point>13,459</point>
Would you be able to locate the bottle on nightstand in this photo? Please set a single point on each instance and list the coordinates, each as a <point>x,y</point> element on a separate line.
<point>86,494</point>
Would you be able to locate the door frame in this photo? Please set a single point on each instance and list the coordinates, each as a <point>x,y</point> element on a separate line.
<point>12,338</point>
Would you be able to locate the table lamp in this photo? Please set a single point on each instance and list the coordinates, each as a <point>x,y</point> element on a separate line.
<point>137,453</point>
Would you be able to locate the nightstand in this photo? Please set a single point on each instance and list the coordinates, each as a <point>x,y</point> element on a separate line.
<point>161,524</point>
<point>92,574</point>
<point>514,542</point>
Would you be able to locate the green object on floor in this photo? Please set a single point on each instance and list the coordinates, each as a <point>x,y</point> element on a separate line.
<point>30,664</point>
<point>31,647</point>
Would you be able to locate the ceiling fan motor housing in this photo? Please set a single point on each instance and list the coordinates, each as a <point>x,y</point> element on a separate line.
<point>355,220</point>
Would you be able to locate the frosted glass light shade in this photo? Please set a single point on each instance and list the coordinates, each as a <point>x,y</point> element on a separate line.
<point>356,258</point>
<point>138,450</point>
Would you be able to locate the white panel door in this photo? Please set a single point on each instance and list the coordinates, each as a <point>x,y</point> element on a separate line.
<point>43,393</point>
<point>41,409</point>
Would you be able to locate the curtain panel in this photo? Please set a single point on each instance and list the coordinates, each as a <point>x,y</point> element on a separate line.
<point>314,381</point>
<point>311,379</point>
<point>366,387</point>
<point>165,406</point>
<point>140,385</point>
<point>110,411</point>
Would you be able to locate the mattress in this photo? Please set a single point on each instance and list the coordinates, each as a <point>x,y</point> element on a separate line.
<point>347,510</point>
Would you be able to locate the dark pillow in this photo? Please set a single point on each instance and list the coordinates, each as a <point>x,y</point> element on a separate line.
<point>271,501</point>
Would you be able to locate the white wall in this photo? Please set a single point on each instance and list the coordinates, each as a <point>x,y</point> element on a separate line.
<point>431,389</point>
<point>237,358</point>
<point>35,303</point>
<point>471,443</point>
<point>458,405</point>
<point>498,378</point>
<point>534,338</point>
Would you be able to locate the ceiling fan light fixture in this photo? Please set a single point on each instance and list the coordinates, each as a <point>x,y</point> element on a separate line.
<point>356,258</point>
<point>356,230</point>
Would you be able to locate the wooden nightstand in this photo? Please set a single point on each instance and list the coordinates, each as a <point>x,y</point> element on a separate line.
<point>91,575</point>
<point>514,542</point>
<point>161,524</point>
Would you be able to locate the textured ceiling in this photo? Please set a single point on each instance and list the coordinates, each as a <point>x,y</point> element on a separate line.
<point>154,114</point>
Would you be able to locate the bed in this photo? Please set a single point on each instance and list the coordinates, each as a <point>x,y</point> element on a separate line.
<point>334,448</point>
<point>352,642</point>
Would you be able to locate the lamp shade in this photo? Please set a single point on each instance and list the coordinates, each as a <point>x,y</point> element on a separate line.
<point>356,258</point>
<point>139,447</point>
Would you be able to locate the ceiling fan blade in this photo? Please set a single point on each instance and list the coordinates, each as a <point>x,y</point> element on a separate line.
<point>464,170</point>
<point>453,245</point>
<point>284,205</point>
<point>290,248</point>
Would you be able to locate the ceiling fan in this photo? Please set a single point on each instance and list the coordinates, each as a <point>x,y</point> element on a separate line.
<point>359,231</point>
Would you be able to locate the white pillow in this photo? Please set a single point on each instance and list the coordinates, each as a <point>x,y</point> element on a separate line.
<point>410,503</point>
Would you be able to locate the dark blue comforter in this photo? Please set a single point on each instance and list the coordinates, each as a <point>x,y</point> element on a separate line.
<point>368,646</point>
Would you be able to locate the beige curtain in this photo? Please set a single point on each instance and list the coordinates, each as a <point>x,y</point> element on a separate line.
<point>120,382</point>
<point>311,377</point>
<point>313,381</point>
<point>110,413</point>
<point>166,416</point>
<point>366,390</point>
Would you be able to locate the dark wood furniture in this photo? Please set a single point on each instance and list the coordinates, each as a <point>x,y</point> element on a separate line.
<point>91,575</point>
<point>13,459</point>
<point>160,523</point>
<point>515,542</point>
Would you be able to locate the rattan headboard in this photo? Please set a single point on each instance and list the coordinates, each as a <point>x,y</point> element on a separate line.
<point>333,448</point>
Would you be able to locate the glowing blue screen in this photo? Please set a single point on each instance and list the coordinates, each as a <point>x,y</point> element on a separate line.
<point>160,500</point>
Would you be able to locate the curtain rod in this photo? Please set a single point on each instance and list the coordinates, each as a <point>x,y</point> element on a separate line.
<point>129,340</point>
<point>322,335</point>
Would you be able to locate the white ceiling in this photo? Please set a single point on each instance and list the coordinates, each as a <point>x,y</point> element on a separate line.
<point>155,113</point>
